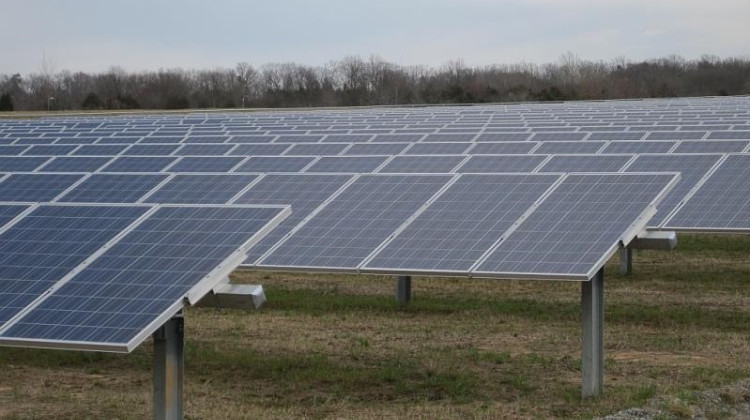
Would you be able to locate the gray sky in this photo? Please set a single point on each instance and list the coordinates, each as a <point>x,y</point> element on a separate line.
<point>92,35</point>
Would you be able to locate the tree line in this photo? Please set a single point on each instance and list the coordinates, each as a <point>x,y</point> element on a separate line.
<point>354,81</point>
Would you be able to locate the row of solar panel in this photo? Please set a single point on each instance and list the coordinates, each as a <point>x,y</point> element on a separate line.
<point>360,149</point>
<point>104,277</point>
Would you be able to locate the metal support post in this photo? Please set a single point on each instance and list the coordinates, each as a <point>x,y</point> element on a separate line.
<point>592,317</point>
<point>169,343</point>
<point>626,260</point>
<point>403,289</point>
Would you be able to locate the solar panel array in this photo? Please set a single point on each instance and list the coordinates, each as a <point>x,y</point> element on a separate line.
<point>480,191</point>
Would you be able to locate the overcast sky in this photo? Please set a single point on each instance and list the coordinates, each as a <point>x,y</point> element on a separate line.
<point>92,35</point>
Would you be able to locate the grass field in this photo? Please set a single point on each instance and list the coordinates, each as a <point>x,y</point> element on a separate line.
<point>338,346</point>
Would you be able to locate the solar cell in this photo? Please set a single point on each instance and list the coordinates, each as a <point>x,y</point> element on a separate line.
<point>577,227</point>
<point>205,164</point>
<point>298,139</point>
<point>35,187</point>
<point>559,136</point>
<point>721,203</point>
<point>691,167</point>
<point>12,150</point>
<point>422,164</point>
<point>125,294</point>
<point>200,189</point>
<point>458,137</point>
<point>113,188</point>
<point>352,225</point>
<point>252,139</point>
<point>677,135</point>
<point>729,135</point>
<point>397,138</point>
<point>10,211</point>
<point>303,192</point>
<point>504,137</point>
<point>348,138</point>
<point>461,224</point>
<point>39,250</point>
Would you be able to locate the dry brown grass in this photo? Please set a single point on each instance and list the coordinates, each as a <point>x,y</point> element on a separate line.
<point>337,346</point>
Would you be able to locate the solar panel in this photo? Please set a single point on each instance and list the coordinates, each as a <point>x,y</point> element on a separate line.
<point>205,164</point>
<point>503,137</point>
<point>112,188</point>
<point>376,149</point>
<point>12,150</point>
<point>723,146</point>
<point>200,189</point>
<point>503,148</point>
<point>691,167</point>
<point>585,163</point>
<point>422,164</point>
<point>252,139</point>
<point>461,224</point>
<point>352,225</point>
<point>99,150</point>
<point>303,192</point>
<point>275,164</point>
<point>40,250</point>
<point>298,139</point>
<point>21,163</point>
<point>458,137</point>
<point>129,291</point>
<point>559,136</point>
<point>9,211</point>
<point>347,164</point>
<point>348,138</point>
<point>204,149</point>
<point>397,138</point>
<point>445,148</point>
<point>259,149</point>
<point>305,149</point>
<point>35,187</point>
<point>569,147</point>
<point>501,163</point>
<point>139,164</point>
<point>655,146</point>
<point>151,149</point>
<point>75,163</point>
<point>577,227</point>
<point>48,150</point>
<point>677,135</point>
<point>729,135</point>
<point>721,203</point>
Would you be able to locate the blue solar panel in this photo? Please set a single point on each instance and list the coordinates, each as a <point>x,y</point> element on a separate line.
<point>206,164</point>
<point>446,148</point>
<point>354,223</point>
<point>691,167</point>
<point>47,244</point>
<point>99,150</point>
<point>113,188</point>
<point>362,149</point>
<point>501,163</point>
<point>304,192</point>
<point>721,203</point>
<point>585,163</point>
<point>200,189</point>
<point>347,164</point>
<point>576,228</point>
<point>422,164</point>
<point>275,164</point>
<point>150,149</point>
<point>9,211</point>
<point>462,224</point>
<point>139,164</point>
<point>75,163</point>
<point>12,150</point>
<point>259,149</point>
<point>49,150</point>
<point>204,149</point>
<point>503,148</point>
<point>35,187</point>
<point>123,296</point>
<point>316,149</point>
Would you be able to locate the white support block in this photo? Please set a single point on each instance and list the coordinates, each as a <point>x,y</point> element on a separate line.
<point>657,240</point>
<point>235,296</point>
